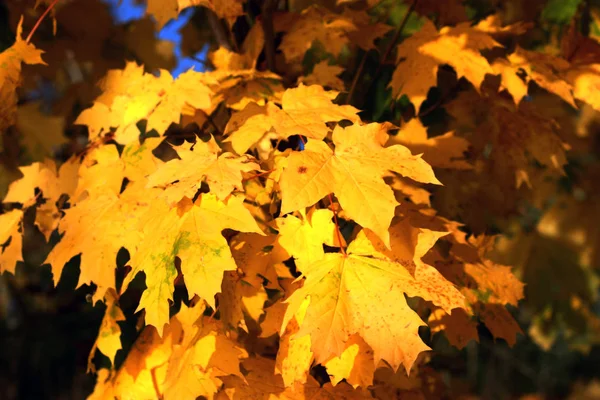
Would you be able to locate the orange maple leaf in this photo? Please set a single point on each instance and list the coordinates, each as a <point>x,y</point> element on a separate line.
<point>420,55</point>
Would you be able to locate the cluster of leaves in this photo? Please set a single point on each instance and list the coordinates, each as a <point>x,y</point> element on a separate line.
<point>303,235</point>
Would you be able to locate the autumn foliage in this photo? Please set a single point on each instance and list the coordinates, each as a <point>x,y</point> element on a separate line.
<point>301,218</point>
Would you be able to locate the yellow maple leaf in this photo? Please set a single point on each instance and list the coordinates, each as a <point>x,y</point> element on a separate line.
<point>187,362</point>
<point>354,172</point>
<point>324,75</point>
<point>294,356</point>
<point>131,95</point>
<point>109,333</point>
<point>138,160</point>
<point>199,162</point>
<point>258,256</point>
<point>203,355</point>
<point>585,81</point>
<point>444,151</point>
<point>10,224</point>
<point>420,55</point>
<point>10,75</point>
<point>97,228</point>
<point>304,239</point>
<point>39,175</point>
<point>241,297</point>
<point>343,287</point>
<point>304,111</point>
<point>101,172</point>
<point>355,364</point>
<point>191,232</point>
<point>52,184</point>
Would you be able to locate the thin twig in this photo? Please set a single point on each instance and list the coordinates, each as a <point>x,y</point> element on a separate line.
<point>337,225</point>
<point>388,50</point>
<point>218,30</point>
<point>266,18</point>
<point>398,33</point>
<point>257,175</point>
<point>356,77</point>
<point>40,19</point>
<point>212,122</point>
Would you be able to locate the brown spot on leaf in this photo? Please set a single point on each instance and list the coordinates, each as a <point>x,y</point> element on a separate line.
<point>302,169</point>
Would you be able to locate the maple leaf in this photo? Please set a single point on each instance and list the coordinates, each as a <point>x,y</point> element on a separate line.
<point>182,364</point>
<point>12,253</point>
<point>304,111</point>
<point>227,60</point>
<point>445,151</point>
<point>342,289</point>
<point>458,327</point>
<point>493,26</point>
<point>516,135</point>
<point>93,177</point>
<point>52,184</point>
<point>420,56</point>
<point>294,356</point>
<point>10,75</point>
<point>202,356</point>
<point>325,75</point>
<point>304,239</point>
<point>545,70</point>
<point>259,256</point>
<point>199,161</point>
<point>138,160</point>
<point>97,228</point>
<point>355,364</point>
<point>487,287</point>
<point>585,82</point>
<point>131,95</point>
<point>109,333</point>
<point>316,24</point>
<point>260,381</point>
<point>39,175</point>
<point>366,30</point>
<point>241,297</point>
<point>165,10</point>
<point>354,172</point>
<point>192,232</point>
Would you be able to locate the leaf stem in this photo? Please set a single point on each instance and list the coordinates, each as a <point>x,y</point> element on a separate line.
<point>40,19</point>
<point>337,225</point>
<point>257,175</point>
